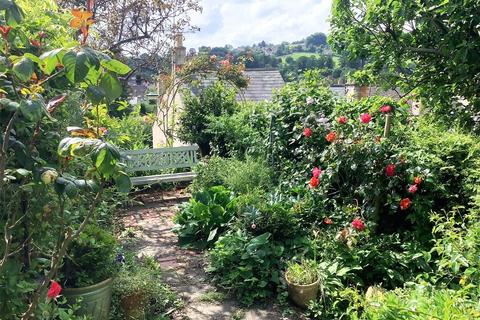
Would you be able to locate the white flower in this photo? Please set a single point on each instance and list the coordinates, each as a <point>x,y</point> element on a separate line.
<point>310,101</point>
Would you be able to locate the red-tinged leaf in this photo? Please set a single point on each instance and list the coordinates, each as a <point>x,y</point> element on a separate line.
<point>55,102</point>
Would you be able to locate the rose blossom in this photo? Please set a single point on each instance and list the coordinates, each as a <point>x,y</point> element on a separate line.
<point>358,224</point>
<point>331,136</point>
<point>314,182</point>
<point>327,221</point>
<point>307,132</point>
<point>405,203</point>
<point>365,118</point>
<point>417,180</point>
<point>385,109</point>
<point>316,172</point>
<point>342,119</point>
<point>413,188</point>
<point>390,170</point>
<point>54,290</point>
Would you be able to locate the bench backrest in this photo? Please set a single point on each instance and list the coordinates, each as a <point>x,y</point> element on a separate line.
<point>162,158</point>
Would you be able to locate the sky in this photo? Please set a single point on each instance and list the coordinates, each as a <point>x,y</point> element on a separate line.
<point>244,22</point>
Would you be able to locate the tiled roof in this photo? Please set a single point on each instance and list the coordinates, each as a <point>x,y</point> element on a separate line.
<point>262,84</point>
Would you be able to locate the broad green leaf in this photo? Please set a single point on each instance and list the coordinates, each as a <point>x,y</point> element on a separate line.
<point>111,85</point>
<point>23,69</point>
<point>76,66</point>
<point>95,94</point>
<point>50,60</point>
<point>13,15</point>
<point>33,57</point>
<point>32,110</point>
<point>123,182</point>
<point>116,66</point>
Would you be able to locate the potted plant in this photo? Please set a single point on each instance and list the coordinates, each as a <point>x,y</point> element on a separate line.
<point>303,281</point>
<point>88,271</point>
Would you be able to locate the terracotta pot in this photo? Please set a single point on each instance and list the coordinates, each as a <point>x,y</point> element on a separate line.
<point>301,295</point>
<point>94,301</point>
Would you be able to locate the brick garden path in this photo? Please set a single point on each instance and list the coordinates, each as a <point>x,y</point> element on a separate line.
<point>183,270</point>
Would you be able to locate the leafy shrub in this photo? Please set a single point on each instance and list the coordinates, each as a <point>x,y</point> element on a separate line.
<point>140,283</point>
<point>421,303</point>
<point>199,110</point>
<point>298,106</point>
<point>243,133</point>
<point>238,176</point>
<point>90,258</point>
<point>303,273</point>
<point>205,217</point>
<point>249,266</point>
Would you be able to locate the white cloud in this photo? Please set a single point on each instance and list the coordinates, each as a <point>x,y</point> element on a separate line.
<point>244,22</point>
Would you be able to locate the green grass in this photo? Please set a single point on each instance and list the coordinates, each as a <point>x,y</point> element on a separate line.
<point>297,55</point>
<point>212,296</point>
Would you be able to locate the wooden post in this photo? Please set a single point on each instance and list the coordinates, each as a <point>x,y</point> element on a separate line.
<point>388,125</point>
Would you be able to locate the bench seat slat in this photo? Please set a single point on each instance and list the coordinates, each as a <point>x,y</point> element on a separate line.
<point>163,178</point>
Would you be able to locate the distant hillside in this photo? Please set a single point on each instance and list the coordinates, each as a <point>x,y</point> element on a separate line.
<point>291,58</point>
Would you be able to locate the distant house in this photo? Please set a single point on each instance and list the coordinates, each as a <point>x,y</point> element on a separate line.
<point>262,84</point>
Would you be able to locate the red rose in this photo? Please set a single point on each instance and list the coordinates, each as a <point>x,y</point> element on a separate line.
<point>358,224</point>
<point>316,172</point>
<point>307,132</point>
<point>314,182</point>
<point>405,203</point>
<point>365,118</point>
<point>327,221</point>
<point>417,180</point>
<point>342,120</point>
<point>390,170</point>
<point>331,136</point>
<point>54,290</point>
<point>385,109</point>
<point>413,188</point>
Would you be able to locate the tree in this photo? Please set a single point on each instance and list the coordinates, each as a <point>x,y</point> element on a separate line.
<point>429,47</point>
<point>138,26</point>
<point>316,40</point>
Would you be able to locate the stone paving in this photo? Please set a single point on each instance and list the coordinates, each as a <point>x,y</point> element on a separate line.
<point>151,224</point>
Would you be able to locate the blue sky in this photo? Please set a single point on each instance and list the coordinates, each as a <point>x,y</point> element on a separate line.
<point>244,22</point>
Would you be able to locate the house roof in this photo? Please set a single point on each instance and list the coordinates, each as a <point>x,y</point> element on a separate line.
<point>262,84</point>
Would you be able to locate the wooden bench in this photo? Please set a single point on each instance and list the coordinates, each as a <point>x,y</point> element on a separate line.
<point>160,159</point>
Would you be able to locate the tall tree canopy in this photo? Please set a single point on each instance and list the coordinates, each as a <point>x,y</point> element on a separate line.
<point>430,46</point>
<point>138,26</point>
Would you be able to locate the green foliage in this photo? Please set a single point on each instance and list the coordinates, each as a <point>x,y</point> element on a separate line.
<point>421,303</point>
<point>249,266</point>
<point>205,217</point>
<point>239,176</point>
<point>139,284</point>
<point>90,258</point>
<point>306,104</point>
<point>303,273</point>
<point>243,133</point>
<point>426,46</point>
<point>213,101</point>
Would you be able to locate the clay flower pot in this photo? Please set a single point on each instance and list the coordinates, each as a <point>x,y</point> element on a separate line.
<point>301,295</point>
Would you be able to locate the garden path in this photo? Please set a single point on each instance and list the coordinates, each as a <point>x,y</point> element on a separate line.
<point>150,229</point>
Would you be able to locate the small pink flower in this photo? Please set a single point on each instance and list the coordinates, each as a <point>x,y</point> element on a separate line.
<point>342,120</point>
<point>316,172</point>
<point>417,180</point>
<point>307,132</point>
<point>253,226</point>
<point>327,221</point>
<point>385,109</point>
<point>358,224</point>
<point>365,118</point>
<point>413,188</point>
